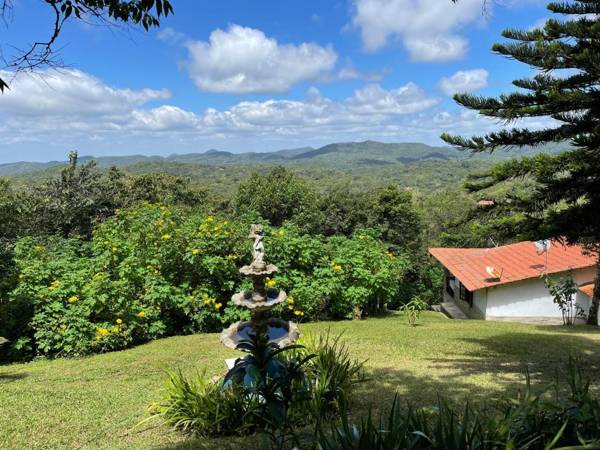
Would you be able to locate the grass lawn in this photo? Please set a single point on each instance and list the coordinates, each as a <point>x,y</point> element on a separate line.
<point>96,402</point>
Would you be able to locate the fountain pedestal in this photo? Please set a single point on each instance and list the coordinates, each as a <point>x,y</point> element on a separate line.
<point>260,300</point>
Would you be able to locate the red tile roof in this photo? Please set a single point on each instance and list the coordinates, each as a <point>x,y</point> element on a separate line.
<point>587,289</point>
<point>517,262</point>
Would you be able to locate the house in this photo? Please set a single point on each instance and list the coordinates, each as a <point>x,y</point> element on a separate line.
<point>506,282</point>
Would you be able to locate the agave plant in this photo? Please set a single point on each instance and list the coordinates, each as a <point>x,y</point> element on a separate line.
<point>279,383</point>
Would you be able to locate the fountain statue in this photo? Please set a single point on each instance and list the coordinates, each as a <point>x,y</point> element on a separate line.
<point>260,300</point>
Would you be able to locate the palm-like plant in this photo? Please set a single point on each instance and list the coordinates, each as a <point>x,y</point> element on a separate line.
<point>278,383</point>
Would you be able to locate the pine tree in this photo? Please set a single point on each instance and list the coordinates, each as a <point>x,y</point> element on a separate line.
<point>565,202</point>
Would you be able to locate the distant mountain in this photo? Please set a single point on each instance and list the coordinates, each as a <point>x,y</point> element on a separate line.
<point>19,168</point>
<point>345,156</point>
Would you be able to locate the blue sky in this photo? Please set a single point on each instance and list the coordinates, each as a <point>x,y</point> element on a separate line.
<point>258,75</point>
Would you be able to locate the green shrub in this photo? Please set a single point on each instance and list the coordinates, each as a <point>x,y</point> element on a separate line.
<point>153,271</point>
<point>196,405</point>
<point>413,309</point>
<point>333,373</point>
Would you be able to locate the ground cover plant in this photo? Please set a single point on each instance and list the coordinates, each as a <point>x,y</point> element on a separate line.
<point>272,391</point>
<point>97,401</point>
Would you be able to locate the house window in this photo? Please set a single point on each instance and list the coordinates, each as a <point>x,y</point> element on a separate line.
<point>450,283</point>
<point>466,295</point>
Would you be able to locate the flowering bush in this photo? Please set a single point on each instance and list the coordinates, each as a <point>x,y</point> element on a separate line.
<point>153,271</point>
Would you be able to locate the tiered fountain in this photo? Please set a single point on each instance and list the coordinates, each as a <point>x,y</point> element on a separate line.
<point>260,300</point>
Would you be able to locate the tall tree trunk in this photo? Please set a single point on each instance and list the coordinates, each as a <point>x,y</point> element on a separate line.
<point>593,314</point>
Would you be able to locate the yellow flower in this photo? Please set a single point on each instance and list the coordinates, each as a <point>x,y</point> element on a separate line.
<point>102,331</point>
<point>118,211</point>
<point>119,321</point>
<point>210,218</point>
<point>232,257</point>
<point>166,236</point>
<point>21,276</point>
<point>115,330</point>
<point>337,267</point>
<point>218,306</point>
<point>207,299</point>
<point>195,251</point>
<point>282,232</point>
<point>298,313</point>
<point>114,249</point>
<point>73,299</point>
<point>141,314</point>
<point>290,307</point>
<point>271,283</point>
<point>290,300</point>
<point>55,284</point>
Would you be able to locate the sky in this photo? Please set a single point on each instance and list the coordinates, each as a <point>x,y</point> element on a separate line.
<point>262,75</point>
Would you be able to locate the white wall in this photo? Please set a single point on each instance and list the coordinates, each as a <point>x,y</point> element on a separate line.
<point>530,298</point>
<point>480,303</point>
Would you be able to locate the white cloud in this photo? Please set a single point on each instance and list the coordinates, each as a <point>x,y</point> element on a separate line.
<point>124,121</point>
<point>426,28</point>
<point>373,99</point>
<point>464,81</point>
<point>349,72</point>
<point>244,60</point>
<point>70,105</point>
<point>171,36</point>
<point>65,92</point>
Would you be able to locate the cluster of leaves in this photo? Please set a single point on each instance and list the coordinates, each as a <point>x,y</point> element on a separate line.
<point>563,291</point>
<point>530,421</point>
<point>413,309</point>
<point>153,270</point>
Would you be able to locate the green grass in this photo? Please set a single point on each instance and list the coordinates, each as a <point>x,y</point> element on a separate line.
<point>96,402</point>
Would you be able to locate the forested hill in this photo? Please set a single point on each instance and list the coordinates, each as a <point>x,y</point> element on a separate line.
<point>343,156</point>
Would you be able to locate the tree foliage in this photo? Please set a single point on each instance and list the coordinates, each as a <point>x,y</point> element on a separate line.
<point>565,200</point>
<point>277,196</point>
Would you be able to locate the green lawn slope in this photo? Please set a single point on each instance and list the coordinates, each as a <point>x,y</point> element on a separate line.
<point>96,402</point>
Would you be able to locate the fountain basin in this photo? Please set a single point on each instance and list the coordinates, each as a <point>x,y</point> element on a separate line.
<point>280,332</point>
<point>258,272</point>
<point>254,301</point>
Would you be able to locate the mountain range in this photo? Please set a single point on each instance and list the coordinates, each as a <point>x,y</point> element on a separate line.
<point>342,156</point>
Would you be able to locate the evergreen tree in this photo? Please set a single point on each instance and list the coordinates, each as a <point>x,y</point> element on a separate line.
<point>565,202</point>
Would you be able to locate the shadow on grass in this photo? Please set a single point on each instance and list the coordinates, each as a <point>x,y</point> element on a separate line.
<point>489,368</point>
<point>493,368</point>
<point>8,377</point>
<point>224,443</point>
<point>539,352</point>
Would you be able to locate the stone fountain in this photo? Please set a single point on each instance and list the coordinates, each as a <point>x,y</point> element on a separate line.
<point>259,300</point>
